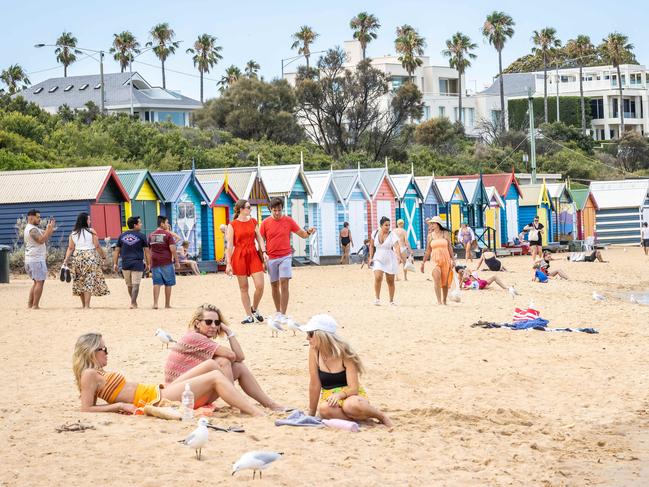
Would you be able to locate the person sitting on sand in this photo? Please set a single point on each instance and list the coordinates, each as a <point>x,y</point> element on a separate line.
<point>539,275</point>
<point>471,280</point>
<point>333,375</point>
<point>544,266</point>
<point>491,261</point>
<point>90,357</point>
<point>185,261</point>
<point>197,351</point>
<point>586,256</point>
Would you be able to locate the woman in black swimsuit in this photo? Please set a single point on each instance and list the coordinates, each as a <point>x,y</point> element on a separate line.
<point>489,259</point>
<point>334,368</point>
<point>345,243</point>
<point>535,237</point>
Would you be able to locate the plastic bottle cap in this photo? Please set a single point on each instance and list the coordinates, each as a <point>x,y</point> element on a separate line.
<point>187,388</point>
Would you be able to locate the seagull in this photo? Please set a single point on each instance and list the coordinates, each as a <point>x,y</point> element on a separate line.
<point>597,296</point>
<point>275,325</point>
<point>255,460</point>
<point>513,292</point>
<point>197,439</point>
<point>292,325</point>
<point>164,337</point>
<point>633,299</point>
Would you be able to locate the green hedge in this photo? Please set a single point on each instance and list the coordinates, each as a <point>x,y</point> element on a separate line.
<point>569,105</point>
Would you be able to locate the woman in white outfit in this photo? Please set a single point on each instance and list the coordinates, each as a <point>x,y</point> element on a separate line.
<point>385,257</point>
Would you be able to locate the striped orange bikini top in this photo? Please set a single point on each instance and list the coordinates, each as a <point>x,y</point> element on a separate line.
<point>114,384</point>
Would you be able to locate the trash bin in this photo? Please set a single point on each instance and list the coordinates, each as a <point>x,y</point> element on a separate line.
<point>4,264</point>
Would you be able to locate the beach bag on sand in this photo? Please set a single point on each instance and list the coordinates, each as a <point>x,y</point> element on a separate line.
<point>454,295</point>
<point>525,314</point>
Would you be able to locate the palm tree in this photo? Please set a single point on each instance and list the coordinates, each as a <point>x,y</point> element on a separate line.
<point>364,25</point>
<point>231,76</point>
<point>499,27</point>
<point>163,45</point>
<point>13,76</point>
<point>616,50</point>
<point>124,47</point>
<point>579,49</point>
<point>458,50</point>
<point>206,55</point>
<point>251,69</point>
<point>545,42</point>
<point>302,41</point>
<point>410,45</point>
<point>66,53</point>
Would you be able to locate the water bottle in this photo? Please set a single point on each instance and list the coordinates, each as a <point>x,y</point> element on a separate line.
<point>187,404</point>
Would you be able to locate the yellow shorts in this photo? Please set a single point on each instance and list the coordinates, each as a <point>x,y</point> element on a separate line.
<point>146,394</point>
<point>327,393</point>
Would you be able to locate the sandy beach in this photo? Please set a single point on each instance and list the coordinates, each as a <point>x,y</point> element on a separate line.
<point>470,406</point>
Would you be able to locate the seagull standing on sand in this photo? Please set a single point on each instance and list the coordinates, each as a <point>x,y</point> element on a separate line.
<point>292,325</point>
<point>197,439</point>
<point>164,337</point>
<point>597,296</point>
<point>275,326</point>
<point>513,292</point>
<point>255,460</point>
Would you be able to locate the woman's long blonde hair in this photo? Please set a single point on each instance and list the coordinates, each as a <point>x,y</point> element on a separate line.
<point>84,355</point>
<point>331,345</point>
<point>199,313</point>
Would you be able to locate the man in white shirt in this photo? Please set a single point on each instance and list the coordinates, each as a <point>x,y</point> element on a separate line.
<point>36,255</point>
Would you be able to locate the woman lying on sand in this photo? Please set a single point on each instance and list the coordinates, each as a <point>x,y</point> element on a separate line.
<point>333,375</point>
<point>197,351</point>
<point>470,280</point>
<point>91,356</point>
<point>489,259</point>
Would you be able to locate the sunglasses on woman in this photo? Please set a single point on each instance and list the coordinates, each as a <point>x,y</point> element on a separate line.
<point>212,322</point>
<point>103,349</point>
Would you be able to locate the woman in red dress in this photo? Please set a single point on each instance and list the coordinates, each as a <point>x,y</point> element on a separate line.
<point>243,260</point>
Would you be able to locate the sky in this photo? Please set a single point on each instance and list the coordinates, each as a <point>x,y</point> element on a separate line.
<point>261,30</point>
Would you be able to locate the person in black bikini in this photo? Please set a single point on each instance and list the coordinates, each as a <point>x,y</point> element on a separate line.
<point>336,395</point>
<point>346,243</point>
<point>489,259</point>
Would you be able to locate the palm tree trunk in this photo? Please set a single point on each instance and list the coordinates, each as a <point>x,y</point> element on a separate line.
<point>364,47</point>
<point>307,61</point>
<point>545,89</point>
<point>65,70</point>
<point>582,101</point>
<point>459,99</point>
<point>621,107</point>
<point>164,81</point>
<point>201,86</point>
<point>502,91</point>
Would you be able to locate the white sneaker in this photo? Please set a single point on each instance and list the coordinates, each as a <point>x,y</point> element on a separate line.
<point>377,302</point>
<point>392,303</point>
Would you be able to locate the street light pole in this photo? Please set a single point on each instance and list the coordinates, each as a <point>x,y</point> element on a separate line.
<point>101,67</point>
<point>556,65</point>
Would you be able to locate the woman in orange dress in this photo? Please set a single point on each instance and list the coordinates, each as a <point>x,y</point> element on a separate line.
<point>440,251</point>
<point>243,260</point>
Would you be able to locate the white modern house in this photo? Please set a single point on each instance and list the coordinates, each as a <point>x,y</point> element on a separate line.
<point>121,92</point>
<point>438,84</point>
<point>600,85</point>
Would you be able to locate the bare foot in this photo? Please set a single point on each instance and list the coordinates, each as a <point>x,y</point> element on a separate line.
<point>155,306</point>
<point>386,421</point>
<point>167,306</point>
<point>36,307</point>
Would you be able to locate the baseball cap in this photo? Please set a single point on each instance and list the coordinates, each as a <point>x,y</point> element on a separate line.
<point>321,322</point>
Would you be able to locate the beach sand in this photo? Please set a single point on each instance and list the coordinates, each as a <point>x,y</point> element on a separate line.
<point>470,406</point>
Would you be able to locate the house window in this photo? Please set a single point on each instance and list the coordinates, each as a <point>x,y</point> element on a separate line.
<point>177,118</point>
<point>68,88</point>
<point>147,116</point>
<point>83,86</point>
<point>426,112</point>
<point>442,111</point>
<point>97,86</point>
<point>397,82</point>
<point>597,107</point>
<point>38,90</point>
<point>495,117</point>
<point>469,117</point>
<point>53,89</point>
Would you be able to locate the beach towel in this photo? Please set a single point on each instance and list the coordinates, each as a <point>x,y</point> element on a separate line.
<point>538,324</point>
<point>298,418</point>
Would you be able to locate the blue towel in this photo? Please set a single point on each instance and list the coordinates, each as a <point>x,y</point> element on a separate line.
<point>539,324</point>
<point>298,418</point>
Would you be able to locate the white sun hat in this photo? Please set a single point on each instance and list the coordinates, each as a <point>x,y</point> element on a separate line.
<point>321,322</point>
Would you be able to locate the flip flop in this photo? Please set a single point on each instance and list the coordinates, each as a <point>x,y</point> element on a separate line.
<point>62,274</point>
<point>68,275</point>
<point>229,429</point>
